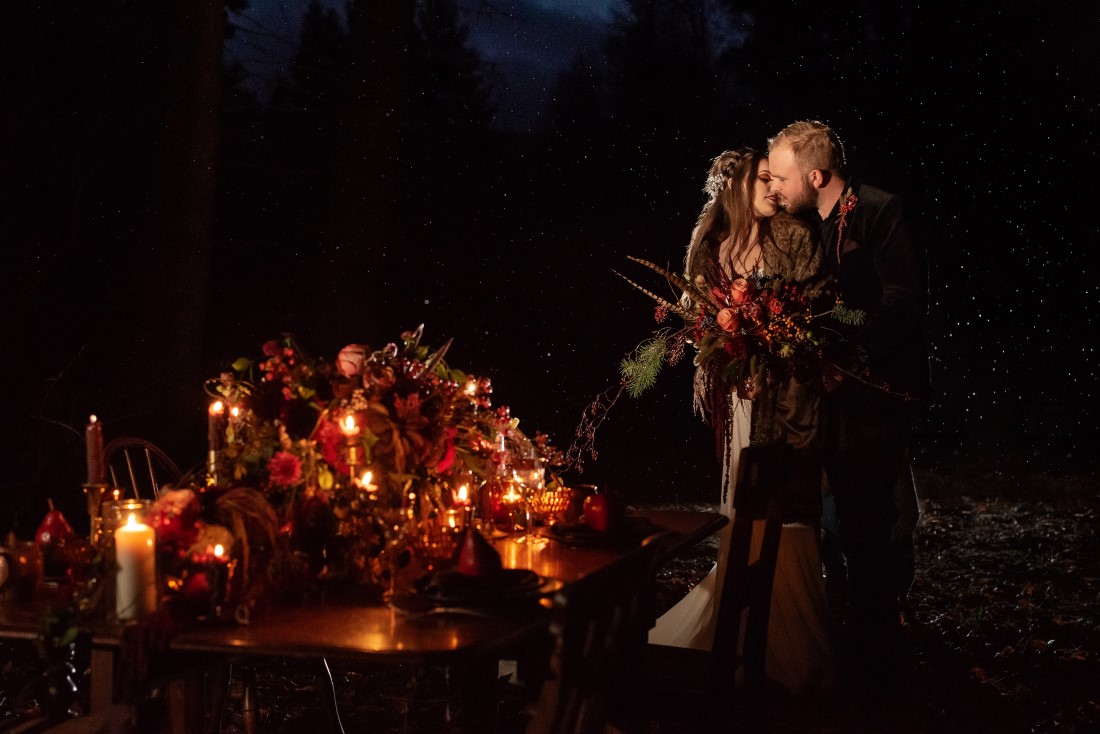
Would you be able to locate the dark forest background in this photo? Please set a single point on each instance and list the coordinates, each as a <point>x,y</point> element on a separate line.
<point>160,219</point>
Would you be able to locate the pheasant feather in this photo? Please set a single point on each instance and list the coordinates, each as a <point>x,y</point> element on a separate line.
<point>674,307</point>
<point>689,288</point>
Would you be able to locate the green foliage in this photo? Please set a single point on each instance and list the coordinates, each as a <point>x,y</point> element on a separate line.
<point>640,369</point>
<point>848,316</point>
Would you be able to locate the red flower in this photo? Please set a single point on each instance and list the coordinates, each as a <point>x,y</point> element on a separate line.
<point>448,459</point>
<point>284,469</point>
<point>737,347</point>
<point>331,441</point>
<point>776,306</point>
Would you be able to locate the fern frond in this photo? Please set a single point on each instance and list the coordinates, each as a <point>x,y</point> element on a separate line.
<point>640,369</point>
<point>673,307</point>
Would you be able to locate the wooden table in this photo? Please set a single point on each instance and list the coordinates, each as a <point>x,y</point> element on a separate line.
<point>379,634</point>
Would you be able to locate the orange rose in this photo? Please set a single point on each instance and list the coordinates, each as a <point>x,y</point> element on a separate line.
<point>739,291</point>
<point>729,320</point>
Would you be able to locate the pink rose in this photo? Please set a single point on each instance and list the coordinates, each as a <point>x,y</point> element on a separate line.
<point>729,320</point>
<point>739,291</point>
<point>350,360</point>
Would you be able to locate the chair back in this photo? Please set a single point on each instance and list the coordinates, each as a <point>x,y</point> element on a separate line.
<point>138,467</point>
<point>599,625</point>
<point>741,629</point>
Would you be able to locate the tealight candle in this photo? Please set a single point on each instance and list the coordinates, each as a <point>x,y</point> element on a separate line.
<point>136,580</point>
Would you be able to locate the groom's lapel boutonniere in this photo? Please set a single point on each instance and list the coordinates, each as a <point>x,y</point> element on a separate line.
<point>848,202</point>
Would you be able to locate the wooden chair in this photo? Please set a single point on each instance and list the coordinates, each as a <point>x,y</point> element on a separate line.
<point>139,467</point>
<point>702,687</point>
<point>599,627</point>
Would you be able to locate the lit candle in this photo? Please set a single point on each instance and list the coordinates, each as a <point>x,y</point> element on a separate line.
<point>462,499</point>
<point>136,580</point>
<point>214,432</point>
<point>351,439</point>
<point>93,442</point>
<point>214,425</point>
<point>349,428</point>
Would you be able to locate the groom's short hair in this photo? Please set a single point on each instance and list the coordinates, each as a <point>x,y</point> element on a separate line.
<point>814,145</point>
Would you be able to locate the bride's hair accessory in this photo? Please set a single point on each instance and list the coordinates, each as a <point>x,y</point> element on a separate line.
<point>714,185</point>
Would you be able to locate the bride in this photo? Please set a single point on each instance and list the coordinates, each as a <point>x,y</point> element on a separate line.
<point>741,232</point>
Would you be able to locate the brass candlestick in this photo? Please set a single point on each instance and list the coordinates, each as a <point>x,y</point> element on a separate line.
<point>93,493</point>
<point>353,459</point>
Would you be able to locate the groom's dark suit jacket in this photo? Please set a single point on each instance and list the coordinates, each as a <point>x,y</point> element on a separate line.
<point>881,270</point>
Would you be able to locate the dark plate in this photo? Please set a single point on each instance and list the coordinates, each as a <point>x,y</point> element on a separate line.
<point>633,530</point>
<point>458,589</point>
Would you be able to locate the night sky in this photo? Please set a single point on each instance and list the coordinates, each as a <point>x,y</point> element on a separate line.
<point>985,121</point>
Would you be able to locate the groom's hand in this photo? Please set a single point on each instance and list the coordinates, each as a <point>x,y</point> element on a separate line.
<point>831,376</point>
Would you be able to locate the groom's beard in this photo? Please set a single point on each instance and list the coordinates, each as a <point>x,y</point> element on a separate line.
<point>806,199</point>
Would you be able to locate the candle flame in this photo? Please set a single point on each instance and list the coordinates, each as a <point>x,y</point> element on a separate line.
<point>451,520</point>
<point>216,408</point>
<point>349,423</point>
<point>471,387</point>
<point>367,476</point>
<point>92,418</point>
<point>463,493</point>
<point>219,550</point>
<point>131,520</point>
<point>235,411</point>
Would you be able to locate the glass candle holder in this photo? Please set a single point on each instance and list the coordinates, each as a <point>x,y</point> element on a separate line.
<point>114,513</point>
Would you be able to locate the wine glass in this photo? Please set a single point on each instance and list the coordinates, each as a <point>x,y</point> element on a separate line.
<point>528,471</point>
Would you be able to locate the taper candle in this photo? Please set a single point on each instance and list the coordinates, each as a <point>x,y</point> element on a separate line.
<point>214,431</point>
<point>93,443</point>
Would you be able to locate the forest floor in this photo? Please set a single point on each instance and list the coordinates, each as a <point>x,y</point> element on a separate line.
<point>1003,622</point>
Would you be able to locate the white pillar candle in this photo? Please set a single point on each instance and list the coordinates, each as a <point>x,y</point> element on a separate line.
<point>136,582</point>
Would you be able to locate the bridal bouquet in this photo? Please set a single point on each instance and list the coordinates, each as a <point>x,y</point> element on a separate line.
<point>754,332</point>
<point>757,330</point>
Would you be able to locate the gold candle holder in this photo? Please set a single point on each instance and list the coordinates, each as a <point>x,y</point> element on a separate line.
<point>93,493</point>
<point>551,505</point>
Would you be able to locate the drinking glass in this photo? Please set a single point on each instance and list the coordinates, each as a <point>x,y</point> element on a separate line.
<point>531,475</point>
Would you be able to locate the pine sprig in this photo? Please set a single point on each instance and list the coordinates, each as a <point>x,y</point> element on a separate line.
<point>640,369</point>
<point>848,316</point>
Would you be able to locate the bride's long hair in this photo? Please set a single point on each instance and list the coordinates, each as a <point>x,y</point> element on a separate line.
<point>728,212</point>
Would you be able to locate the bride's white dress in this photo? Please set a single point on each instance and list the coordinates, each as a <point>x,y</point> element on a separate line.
<point>799,653</point>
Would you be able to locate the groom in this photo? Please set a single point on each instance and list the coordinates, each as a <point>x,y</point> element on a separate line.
<point>878,267</point>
